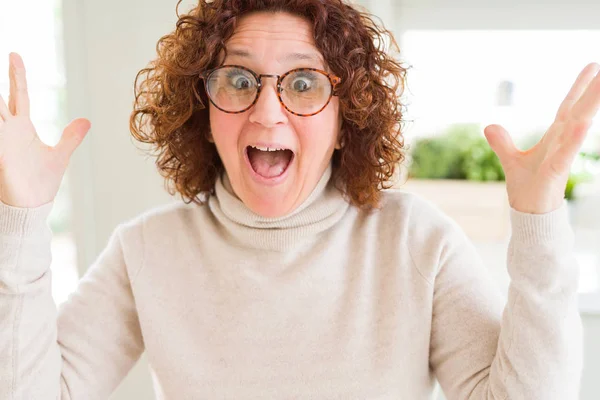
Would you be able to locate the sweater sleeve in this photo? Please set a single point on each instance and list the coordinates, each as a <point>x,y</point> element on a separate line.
<point>81,351</point>
<point>530,349</point>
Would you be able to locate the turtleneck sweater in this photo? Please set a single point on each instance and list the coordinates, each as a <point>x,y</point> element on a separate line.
<point>329,302</point>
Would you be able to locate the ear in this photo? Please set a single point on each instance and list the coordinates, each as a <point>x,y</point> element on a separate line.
<point>209,137</point>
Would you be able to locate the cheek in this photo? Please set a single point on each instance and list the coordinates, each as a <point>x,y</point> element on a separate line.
<point>319,134</point>
<point>225,129</point>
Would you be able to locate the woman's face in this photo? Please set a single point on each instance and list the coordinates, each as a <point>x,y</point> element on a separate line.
<point>273,184</point>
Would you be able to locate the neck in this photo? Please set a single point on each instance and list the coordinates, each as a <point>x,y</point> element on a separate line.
<point>323,208</point>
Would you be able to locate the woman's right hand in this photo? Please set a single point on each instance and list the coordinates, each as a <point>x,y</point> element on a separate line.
<point>30,171</point>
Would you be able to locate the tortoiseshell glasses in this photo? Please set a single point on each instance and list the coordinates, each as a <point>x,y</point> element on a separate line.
<point>302,91</point>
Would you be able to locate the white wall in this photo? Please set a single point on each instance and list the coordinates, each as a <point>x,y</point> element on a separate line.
<point>108,42</point>
<point>487,14</point>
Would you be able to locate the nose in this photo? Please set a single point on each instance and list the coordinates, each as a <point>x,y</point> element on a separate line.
<point>268,111</point>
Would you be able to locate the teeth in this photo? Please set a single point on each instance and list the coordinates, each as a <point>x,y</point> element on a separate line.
<point>266,148</point>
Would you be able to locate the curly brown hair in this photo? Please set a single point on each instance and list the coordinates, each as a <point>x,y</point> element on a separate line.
<point>171,104</point>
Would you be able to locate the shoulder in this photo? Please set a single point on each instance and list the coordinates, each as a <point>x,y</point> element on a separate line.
<point>414,211</point>
<point>424,231</point>
<point>162,220</point>
<point>161,231</point>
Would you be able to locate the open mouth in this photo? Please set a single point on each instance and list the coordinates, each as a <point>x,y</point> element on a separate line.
<point>268,162</point>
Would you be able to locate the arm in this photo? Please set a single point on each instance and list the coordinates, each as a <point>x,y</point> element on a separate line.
<point>534,350</point>
<point>82,351</point>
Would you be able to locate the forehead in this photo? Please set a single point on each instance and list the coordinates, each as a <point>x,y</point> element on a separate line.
<point>278,25</point>
<point>281,37</point>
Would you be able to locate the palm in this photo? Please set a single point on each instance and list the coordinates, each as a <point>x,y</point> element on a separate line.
<point>30,171</point>
<point>17,135</point>
<point>25,161</point>
<point>536,178</point>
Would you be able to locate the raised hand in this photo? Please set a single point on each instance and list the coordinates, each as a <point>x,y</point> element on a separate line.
<point>30,171</point>
<point>536,178</point>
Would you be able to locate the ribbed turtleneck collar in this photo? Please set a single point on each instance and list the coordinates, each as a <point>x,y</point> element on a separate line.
<point>322,209</point>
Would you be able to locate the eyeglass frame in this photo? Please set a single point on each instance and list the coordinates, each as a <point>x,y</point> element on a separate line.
<point>333,80</point>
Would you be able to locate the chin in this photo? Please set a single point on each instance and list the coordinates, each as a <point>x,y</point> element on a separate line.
<point>270,181</point>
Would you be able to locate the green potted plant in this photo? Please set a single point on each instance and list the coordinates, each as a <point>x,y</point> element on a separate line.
<point>458,171</point>
<point>459,153</point>
<point>574,180</point>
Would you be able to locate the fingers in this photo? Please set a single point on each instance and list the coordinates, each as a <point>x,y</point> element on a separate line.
<point>73,136</point>
<point>577,90</point>
<point>4,113</point>
<point>18,101</point>
<point>501,142</point>
<point>588,104</point>
<point>570,146</point>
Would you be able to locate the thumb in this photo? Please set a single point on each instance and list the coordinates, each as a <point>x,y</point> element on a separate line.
<point>72,136</point>
<point>501,142</point>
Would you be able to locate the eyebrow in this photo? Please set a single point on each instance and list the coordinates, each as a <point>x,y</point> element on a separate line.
<point>295,56</point>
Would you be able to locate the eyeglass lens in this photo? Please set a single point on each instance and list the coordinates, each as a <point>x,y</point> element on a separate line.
<point>234,89</point>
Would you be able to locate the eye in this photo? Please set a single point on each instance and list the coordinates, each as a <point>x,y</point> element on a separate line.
<point>301,84</point>
<point>239,80</point>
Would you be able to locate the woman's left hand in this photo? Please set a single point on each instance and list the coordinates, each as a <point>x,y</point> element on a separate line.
<point>536,178</point>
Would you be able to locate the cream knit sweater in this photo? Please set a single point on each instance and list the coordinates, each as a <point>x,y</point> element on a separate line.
<point>327,303</point>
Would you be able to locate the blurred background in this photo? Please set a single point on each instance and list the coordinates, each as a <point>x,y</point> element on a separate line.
<point>472,63</point>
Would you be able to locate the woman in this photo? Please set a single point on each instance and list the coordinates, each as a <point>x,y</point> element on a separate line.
<point>287,273</point>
